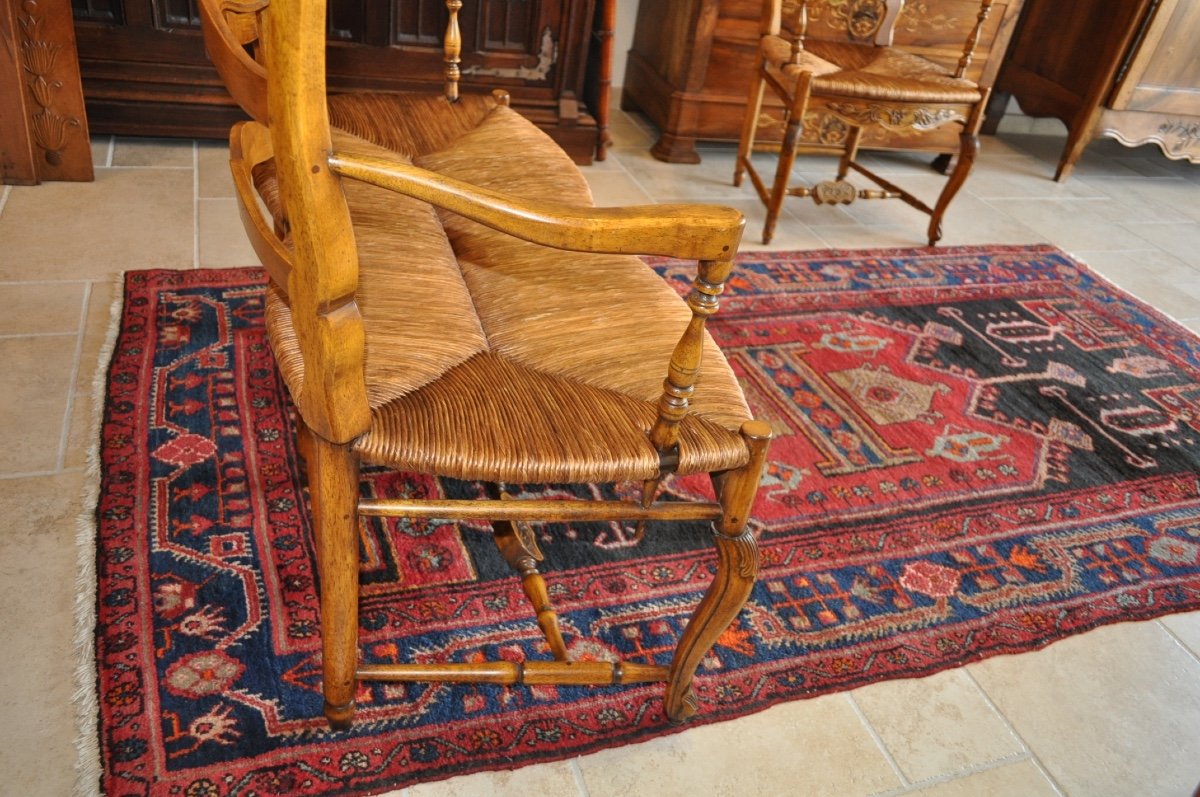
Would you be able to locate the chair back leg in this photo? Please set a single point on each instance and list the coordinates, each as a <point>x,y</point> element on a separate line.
<point>333,485</point>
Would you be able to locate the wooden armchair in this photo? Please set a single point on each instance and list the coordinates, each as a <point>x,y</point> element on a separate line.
<point>444,299</point>
<point>834,86</point>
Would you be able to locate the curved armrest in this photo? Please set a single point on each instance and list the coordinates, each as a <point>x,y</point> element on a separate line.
<point>700,232</point>
<point>250,145</point>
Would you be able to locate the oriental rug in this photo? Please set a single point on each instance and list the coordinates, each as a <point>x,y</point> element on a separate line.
<point>980,450</point>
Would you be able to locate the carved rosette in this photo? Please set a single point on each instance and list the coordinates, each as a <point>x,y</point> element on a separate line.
<point>895,118</point>
<point>38,56</point>
<point>860,18</point>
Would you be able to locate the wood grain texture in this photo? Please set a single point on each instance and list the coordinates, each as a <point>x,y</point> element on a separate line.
<point>43,127</point>
<point>719,60</point>
<point>1129,74</point>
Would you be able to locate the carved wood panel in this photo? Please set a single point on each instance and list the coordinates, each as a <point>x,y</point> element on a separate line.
<point>43,130</point>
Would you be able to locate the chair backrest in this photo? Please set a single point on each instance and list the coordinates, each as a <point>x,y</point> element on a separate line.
<point>879,23</point>
<point>860,21</point>
<point>233,36</point>
<point>232,30</point>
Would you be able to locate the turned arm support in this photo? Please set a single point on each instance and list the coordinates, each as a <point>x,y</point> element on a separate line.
<point>698,232</point>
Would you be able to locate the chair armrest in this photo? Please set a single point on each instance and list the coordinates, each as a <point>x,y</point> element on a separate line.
<point>699,232</point>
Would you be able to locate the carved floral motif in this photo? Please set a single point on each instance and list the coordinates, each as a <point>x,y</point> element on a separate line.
<point>1179,136</point>
<point>38,56</point>
<point>895,118</point>
<point>917,16</point>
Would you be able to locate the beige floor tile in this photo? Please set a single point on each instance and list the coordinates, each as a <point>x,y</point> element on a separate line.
<point>626,132</point>
<point>556,779</point>
<point>1156,200</point>
<point>223,241</point>
<point>862,237</point>
<point>34,384</point>
<point>810,747</point>
<point>102,147</point>
<point>1022,779</point>
<point>790,232</point>
<point>615,188</point>
<point>127,218</point>
<point>160,152</point>
<point>37,593</point>
<point>95,331</point>
<point>1070,224</point>
<point>1122,267</point>
<point>709,180</point>
<point>33,308</point>
<point>212,170</point>
<point>973,221</point>
<point>1115,711</point>
<point>936,726</point>
<point>1024,177</point>
<point>1179,239</point>
<point>1187,628</point>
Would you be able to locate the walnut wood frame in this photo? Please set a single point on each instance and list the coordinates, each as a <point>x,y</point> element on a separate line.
<point>319,275</point>
<point>894,112</point>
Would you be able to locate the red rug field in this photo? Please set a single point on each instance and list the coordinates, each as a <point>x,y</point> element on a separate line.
<point>980,450</point>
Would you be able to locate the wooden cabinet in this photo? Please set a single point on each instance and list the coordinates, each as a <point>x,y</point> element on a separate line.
<point>145,71</point>
<point>1126,69</point>
<point>690,66</point>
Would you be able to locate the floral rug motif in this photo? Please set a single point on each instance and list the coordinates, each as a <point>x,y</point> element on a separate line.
<point>980,450</point>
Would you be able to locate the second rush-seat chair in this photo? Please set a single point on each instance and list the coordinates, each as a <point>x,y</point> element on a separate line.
<point>443,298</point>
<point>842,78</point>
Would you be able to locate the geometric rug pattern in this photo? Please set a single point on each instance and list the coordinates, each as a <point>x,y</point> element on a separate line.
<point>979,450</point>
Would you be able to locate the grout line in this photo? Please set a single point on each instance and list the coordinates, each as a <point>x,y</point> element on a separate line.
<point>905,783</point>
<point>195,204</point>
<point>32,474</point>
<point>14,335</point>
<point>154,166</point>
<point>7,283</point>
<point>1177,639</point>
<point>64,438</point>
<point>949,777</point>
<point>1037,762</point>
<point>577,773</point>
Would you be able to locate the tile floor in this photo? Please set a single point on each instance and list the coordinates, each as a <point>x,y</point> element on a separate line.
<point>1112,712</point>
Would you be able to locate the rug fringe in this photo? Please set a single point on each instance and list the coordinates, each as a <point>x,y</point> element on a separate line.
<point>88,767</point>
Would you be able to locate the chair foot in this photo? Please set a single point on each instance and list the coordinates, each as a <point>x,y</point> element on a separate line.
<point>340,717</point>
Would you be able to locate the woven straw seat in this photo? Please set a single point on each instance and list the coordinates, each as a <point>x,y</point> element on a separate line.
<point>847,69</point>
<point>552,340</point>
<point>444,298</point>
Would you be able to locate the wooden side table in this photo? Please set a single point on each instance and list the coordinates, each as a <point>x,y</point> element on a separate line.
<point>43,127</point>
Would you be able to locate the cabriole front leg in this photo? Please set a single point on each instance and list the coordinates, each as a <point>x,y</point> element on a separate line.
<point>737,566</point>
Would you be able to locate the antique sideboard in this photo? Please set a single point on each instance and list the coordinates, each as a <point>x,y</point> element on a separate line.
<point>690,66</point>
<point>145,71</point>
<point>1125,69</point>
